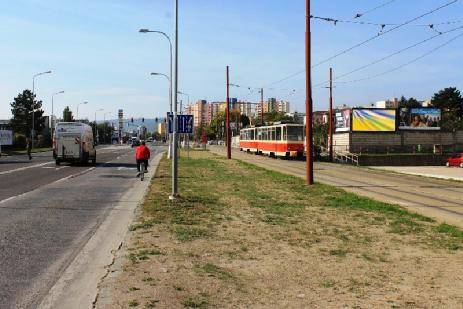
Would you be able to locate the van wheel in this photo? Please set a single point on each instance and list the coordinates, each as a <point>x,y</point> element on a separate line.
<point>461,165</point>
<point>57,162</point>
<point>447,164</point>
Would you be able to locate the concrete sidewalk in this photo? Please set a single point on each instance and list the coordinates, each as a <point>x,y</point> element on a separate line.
<point>441,172</point>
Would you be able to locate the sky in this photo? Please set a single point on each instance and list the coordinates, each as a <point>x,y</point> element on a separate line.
<point>97,55</point>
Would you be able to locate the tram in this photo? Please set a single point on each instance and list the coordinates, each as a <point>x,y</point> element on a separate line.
<point>278,140</point>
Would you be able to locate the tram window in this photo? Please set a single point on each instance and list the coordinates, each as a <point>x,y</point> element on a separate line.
<point>251,133</point>
<point>272,134</point>
<point>278,133</point>
<point>259,135</point>
<point>285,133</point>
<point>295,133</point>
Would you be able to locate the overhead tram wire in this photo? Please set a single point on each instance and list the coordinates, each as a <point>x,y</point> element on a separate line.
<point>366,41</point>
<point>404,64</point>
<point>336,21</point>
<point>385,32</point>
<point>391,55</point>
<point>359,15</point>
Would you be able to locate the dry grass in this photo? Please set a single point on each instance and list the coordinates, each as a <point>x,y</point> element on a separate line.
<point>242,236</point>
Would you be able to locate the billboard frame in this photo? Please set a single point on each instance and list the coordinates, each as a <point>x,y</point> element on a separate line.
<point>429,129</point>
<point>374,108</point>
<point>349,129</point>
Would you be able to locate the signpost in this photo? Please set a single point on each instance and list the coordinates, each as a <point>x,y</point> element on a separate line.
<point>6,138</point>
<point>121,124</point>
<point>184,123</point>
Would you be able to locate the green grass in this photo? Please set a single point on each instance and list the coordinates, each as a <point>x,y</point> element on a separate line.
<point>133,303</point>
<point>195,302</point>
<point>209,185</point>
<point>216,271</point>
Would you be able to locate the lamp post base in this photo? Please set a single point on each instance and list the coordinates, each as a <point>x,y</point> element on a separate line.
<point>173,197</point>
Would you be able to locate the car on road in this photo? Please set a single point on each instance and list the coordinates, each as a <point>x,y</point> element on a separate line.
<point>135,142</point>
<point>73,142</point>
<point>455,160</point>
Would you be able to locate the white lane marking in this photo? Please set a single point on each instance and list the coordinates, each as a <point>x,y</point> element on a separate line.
<point>54,182</point>
<point>25,168</point>
<point>122,168</point>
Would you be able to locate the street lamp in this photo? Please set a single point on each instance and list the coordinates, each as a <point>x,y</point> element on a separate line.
<point>52,122</point>
<point>188,97</point>
<point>77,113</point>
<point>33,108</point>
<point>96,126</point>
<point>170,69</point>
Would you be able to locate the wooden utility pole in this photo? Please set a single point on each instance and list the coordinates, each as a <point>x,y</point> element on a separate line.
<point>308,103</point>
<point>227,112</point>
<point>330,126</point>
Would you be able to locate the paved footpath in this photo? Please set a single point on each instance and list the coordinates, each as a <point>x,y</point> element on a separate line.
<point>48,214</point>
<point>440,199</point>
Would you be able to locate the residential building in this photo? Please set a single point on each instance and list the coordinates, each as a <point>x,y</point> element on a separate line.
<point>393,103</point>
<point>4,124</point>
<point>162,128</point>
<point>213,109</point>
<point>200,113</point>
<point>283,107</point>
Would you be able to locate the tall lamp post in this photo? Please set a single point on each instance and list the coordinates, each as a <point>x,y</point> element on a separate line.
<point>77,113</point>
<point>170,95</point>
<point>52,122</point>
<point>175,91</point>
<point>170,74</point>
<point>96,126</point>
<point>33,109</point>
<point>188,98</point>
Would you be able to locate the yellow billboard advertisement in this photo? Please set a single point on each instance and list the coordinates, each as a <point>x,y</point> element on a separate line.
<point>374,120</point>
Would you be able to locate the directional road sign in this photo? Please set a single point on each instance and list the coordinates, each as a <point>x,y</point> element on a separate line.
<point>184,123</point>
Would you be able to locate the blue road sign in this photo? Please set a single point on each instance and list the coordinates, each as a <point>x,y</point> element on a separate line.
<point>184,123</point>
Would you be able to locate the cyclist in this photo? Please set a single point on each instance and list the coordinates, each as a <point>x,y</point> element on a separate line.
<point>142,155</point>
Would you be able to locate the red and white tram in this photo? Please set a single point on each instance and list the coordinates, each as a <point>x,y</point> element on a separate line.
<point>280,140</point>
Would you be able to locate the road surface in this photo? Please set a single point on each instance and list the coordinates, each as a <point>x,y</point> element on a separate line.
<point>440,199</point>
<point>48,213</point>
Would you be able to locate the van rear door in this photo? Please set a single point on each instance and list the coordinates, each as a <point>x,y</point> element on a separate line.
<point>69,147</point>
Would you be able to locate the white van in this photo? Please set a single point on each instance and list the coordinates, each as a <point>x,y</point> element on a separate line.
<point>73,142</point>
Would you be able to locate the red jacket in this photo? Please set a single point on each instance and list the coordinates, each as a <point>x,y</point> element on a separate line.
<point>142,153</point>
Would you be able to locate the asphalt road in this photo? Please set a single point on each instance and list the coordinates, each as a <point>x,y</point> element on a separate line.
<point>440,199</point>
<point>48,213</point>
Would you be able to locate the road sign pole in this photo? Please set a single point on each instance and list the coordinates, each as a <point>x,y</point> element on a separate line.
<point>330,123</point>
<point>174,122</point>
<point>227,111</point>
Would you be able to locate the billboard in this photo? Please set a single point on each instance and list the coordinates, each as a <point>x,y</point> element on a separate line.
<point>342,120</point>
<point>374,120</point>
<point>420,119</point>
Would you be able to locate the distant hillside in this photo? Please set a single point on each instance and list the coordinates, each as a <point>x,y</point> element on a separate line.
<point>150,123</point>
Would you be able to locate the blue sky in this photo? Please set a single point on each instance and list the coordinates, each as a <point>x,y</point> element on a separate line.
<point>97,55</point>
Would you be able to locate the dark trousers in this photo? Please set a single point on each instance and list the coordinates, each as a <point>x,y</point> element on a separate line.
<point>142,161</point>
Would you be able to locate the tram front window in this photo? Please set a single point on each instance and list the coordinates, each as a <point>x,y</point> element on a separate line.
<point>295,133</point>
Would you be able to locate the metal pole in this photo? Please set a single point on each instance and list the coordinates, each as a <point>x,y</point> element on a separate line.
<point>308,103</point>
<point>33,112</point>
<point>330,127</point>
<point>262,106</point>
<point>52,120</point>
<point>174,122</point>
<point>227,115</point>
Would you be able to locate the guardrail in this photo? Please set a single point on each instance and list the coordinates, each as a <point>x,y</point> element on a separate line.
<point>346,158</point>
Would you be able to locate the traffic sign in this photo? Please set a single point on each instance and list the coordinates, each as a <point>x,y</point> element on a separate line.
<point>184,123</point>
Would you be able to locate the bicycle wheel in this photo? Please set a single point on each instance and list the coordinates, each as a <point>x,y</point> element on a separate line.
<point>142,170</point>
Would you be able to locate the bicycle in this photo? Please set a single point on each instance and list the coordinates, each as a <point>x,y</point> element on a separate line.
<point>142,171</point>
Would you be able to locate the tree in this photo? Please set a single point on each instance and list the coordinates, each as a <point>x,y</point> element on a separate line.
<point>22,108</point>
<point>273,117</point>
<point>320,131</point>
<point>449,100</point>
<point>67,115</point>
<point>409,103</point>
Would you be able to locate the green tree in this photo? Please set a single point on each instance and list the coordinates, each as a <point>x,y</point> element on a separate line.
<point>272,117</point>
<point>409,103</point>
<point>67,115</point>
<point>320,131</point>
<point>450,101</point>
<point>22,108</point>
